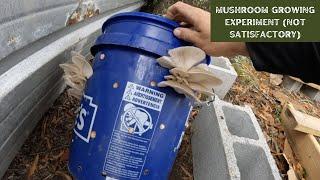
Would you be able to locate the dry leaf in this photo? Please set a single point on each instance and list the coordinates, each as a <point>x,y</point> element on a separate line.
<point>63,175</point>
<point>293,163</point>
<point>65,155</point>
<point>291,174</point>
<point>186,172</point>
<point>33,167</point>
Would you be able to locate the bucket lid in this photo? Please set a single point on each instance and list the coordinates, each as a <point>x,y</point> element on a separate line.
<point>154,45</point>
<point>142,16</point>
<point>158,43</point>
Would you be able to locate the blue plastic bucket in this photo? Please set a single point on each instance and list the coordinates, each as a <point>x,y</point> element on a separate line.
<point>127,127</point>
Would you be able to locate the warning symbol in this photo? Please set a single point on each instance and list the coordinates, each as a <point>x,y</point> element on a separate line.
<point>128,98</point>
<point>135,120</point>
<point>131,86</point>
<point>129,92</point>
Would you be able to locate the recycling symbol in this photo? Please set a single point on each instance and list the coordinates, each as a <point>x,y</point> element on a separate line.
<point>135,120</point>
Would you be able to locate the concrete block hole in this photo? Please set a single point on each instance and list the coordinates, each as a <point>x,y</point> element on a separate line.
<point>252,162</point>
<point>239,123</point>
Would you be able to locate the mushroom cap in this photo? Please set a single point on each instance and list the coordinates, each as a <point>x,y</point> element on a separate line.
<point>170,77</point>
<point>166,62</point>
<point>187,56</point>
<point>179,88</point>
<point>179,72</point>
<point>79,85</point>
<point>201,89</point>
<point>70,69</point>
<point>84,66</point>
<point>75,93</point>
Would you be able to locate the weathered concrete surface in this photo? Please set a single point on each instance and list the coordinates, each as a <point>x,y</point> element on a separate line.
<point>25,21</point>
<point>23,108</point>
<point>291,85</point>
<point>311,92</point>
<point>222,68</point>
<point>19,134</point>
<point>30,79</point>
<point>228,144</point>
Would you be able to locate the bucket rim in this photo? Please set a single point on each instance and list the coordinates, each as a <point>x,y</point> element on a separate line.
<point>154,17</point>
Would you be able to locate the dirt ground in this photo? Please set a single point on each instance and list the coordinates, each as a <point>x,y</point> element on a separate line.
<point>45,153</point>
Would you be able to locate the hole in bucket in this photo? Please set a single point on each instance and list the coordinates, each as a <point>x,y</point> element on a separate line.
<point>115,85</point>
<point>239,123</point>
<point>102,56</point>
<point>162,126</point>
<point>79,168</point>
<point>146,172</point>
<point>93,134</point>
<point>104,173</point>
<point>153,83</point>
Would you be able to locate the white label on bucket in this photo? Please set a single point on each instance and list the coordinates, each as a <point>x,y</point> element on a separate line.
<point>144,96</point>
<point>133,131</point>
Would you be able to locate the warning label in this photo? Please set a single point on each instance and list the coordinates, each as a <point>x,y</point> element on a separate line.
<point>144,96</point>
<point>133,131</point>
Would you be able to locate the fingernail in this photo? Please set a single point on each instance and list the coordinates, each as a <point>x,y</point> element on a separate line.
<point>177,32</point>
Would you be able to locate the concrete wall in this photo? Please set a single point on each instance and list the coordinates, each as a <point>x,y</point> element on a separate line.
<point>25,21</point>
<point>34,40</point>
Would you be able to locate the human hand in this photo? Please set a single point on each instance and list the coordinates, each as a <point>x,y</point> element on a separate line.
<point>195,28</point>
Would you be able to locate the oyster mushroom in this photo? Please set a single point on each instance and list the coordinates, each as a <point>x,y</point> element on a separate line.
<point>83,65</point>
<point>74,84</point>
<point>70,69</point>
<point>187,75</point>
<point>75,93</point>
<point>179,88</point>
<point>166,62</point>
<point>178,72</point>
<point>201,89</point>
<point>76,74</point>
<point>186,57</point>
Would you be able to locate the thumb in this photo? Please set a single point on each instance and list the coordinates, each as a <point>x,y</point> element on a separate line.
<point>187,34</point>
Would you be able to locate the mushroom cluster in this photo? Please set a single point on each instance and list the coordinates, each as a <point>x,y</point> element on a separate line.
<point>76,74</point>
<point>188,75</point>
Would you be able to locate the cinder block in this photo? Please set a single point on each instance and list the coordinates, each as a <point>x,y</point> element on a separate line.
<point>228,144</point>
<point>291,85</point>
<point>311,92</point>
<point>222,68</point>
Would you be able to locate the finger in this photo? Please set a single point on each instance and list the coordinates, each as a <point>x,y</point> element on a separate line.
<point>169,15</point>
<point>186,25</point>
<point>182,12</point>
<point>187,34</point>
